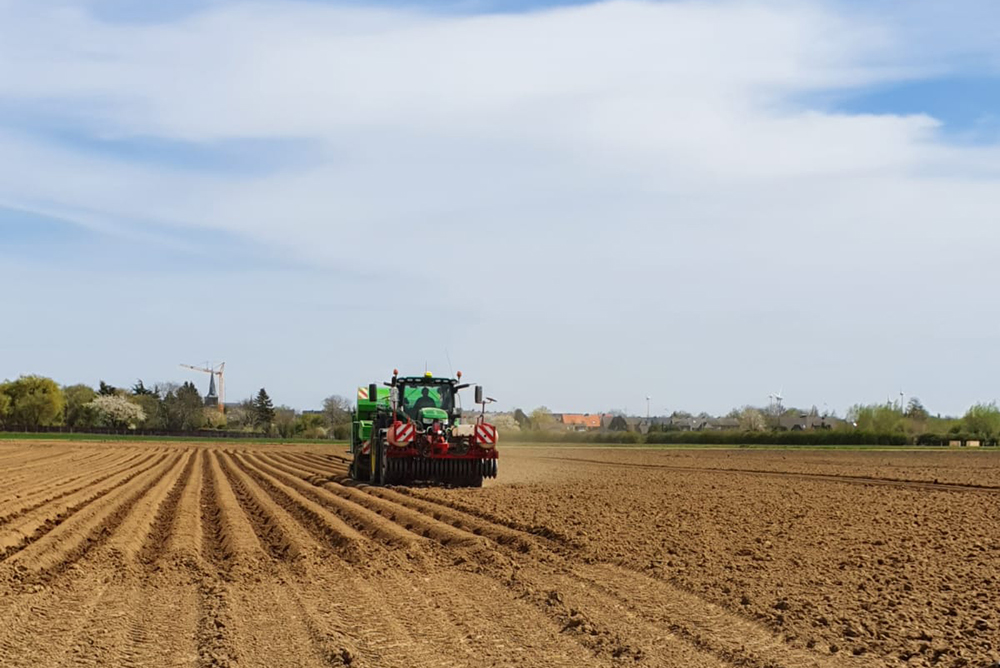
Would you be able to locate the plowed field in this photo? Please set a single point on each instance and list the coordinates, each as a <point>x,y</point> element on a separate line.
<point>203,555</point>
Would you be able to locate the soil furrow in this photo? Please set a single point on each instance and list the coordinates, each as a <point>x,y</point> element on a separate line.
<point>214,648</point>
<point>158,534</point>
<point>184,536</point>
<point>20,486</point>
<point>75,484</point>
<point>545,532</point>
<point>231,540</point>
<point>293,494</point>
<point>37,524</point>
<point>128,541</point>
<point>503,535</point>
<point>88,528</point>
<point>411,520</point>
<point>282,537</point>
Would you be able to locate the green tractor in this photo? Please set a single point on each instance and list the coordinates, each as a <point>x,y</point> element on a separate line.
<point>410,430</point>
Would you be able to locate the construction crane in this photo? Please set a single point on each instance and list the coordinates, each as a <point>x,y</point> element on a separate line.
<point>213,371</point>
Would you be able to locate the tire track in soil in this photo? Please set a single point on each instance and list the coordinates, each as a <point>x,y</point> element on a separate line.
<point>604,641</point>
<point>85,610</point>
<point>214,646</point>
<point>57,613</point>
<point>696,627</point>
<point>432,618</point>
<point>143,619</point>
<point>277,529</point>
<point>63,539</point>
<point>256,597</point>
<point>384,638</point>
<point>822,477</point>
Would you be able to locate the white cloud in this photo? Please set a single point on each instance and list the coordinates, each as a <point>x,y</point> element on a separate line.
<point>606,164</point>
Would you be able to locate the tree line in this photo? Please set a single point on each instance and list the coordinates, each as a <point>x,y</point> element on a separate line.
<point>35,401</point>
<point>890,423</point>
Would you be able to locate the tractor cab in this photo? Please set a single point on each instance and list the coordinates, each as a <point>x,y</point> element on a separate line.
<point>426,399</point>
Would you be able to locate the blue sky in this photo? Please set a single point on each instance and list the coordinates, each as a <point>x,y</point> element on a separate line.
<point>578,204</point>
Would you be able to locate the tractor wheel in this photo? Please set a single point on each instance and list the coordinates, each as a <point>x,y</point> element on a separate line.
<point>376,464</point>
<point>361,468</point>
<point>385,475</point>
<point>474,477</point>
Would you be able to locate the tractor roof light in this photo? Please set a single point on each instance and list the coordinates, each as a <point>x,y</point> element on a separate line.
<point>428,374</point>
<point>395,372</point>
<point>458,374</point>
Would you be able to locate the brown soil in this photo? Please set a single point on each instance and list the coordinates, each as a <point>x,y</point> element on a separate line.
<point>204,555</point>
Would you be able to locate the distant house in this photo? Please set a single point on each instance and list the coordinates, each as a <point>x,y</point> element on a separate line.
<point>579,422</point>
<point>723,423</point>
<point>804,421</point>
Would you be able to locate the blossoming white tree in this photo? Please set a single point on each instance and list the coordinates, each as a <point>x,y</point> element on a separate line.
<point>117,411</point>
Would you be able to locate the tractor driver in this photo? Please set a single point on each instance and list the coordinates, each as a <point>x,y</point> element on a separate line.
<point>425,401</point>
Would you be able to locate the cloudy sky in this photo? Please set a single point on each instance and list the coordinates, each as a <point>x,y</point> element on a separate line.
<point>577,204</point>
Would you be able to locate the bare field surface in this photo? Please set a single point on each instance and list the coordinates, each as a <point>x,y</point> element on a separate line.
<point>228,555</point>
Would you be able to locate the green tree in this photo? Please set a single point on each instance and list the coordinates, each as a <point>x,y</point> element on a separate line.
<point>242,416</point>
<point>541,418</point>
<point>35,401</point>
<point>79,414</point>
<point>141,390</point>
<point>106,390</point>
<point>212,418</point>
<point>877,418</point>
<point>284,421</point>
<point>983,420</point>
<point>152,407</point>
<point>915,410</point>
<point>263,409</point>
<point>523,421</point>
<point>336,411</point>
<point>182,408</point>
<point>311,425</point>
<point>4,405</point>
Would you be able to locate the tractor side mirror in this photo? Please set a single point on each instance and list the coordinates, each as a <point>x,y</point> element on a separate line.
<point>479,394</point>
<point>373,392</point>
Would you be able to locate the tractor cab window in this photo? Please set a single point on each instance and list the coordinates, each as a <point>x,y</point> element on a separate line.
<point>417,397</point>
